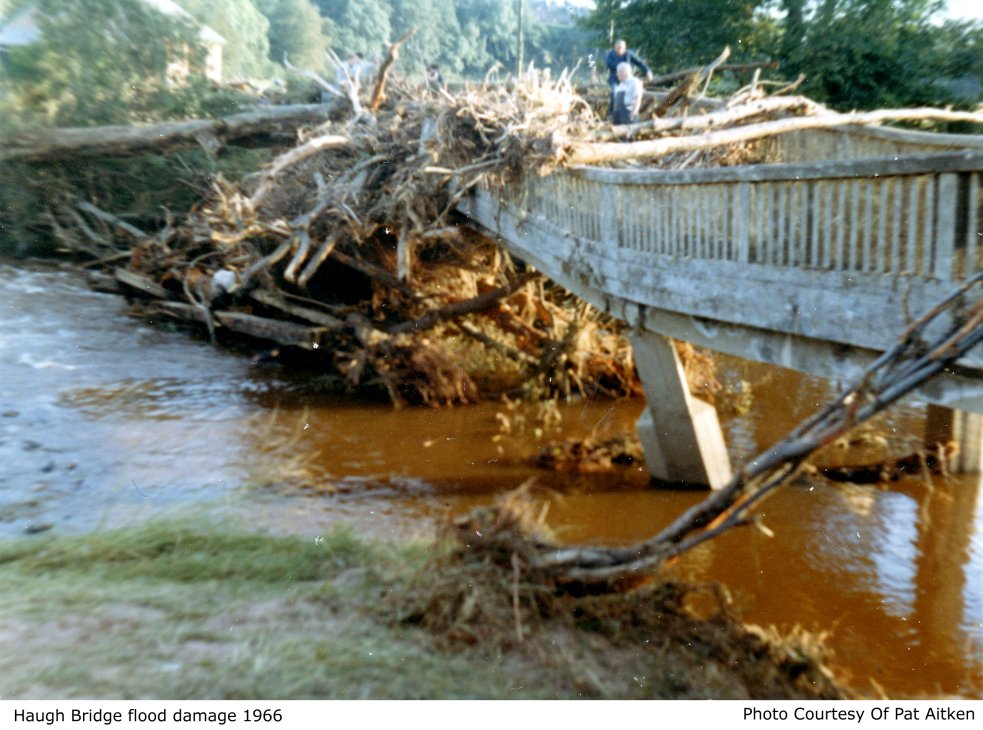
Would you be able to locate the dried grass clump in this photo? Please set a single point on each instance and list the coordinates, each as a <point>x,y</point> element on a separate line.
<point>591,455</point>
<point>483,592</point>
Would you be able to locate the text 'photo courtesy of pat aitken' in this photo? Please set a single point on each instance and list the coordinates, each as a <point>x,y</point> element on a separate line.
<point>876,714</point>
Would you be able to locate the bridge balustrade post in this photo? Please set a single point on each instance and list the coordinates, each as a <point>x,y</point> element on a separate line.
<point>943,425</point>
<point>680,433</point>
<point>610,214</point>
<point>945,226</point>
<point>742,216</point>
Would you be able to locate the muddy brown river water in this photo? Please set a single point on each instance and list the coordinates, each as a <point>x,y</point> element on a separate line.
<point>106,420</point>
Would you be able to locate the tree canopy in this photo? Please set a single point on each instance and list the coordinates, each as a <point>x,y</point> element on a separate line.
<point>675,33</point>
<point>295,30</point>
<point>865,53</point>
<point>854,53</point>
<point>78,71</point>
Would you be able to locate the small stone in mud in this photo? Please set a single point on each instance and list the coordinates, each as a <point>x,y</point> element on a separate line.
<point>48,468</point>
<point>40,527</point>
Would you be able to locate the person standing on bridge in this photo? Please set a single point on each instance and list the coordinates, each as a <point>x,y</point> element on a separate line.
<point>627,96</point>
<point>615,57</point>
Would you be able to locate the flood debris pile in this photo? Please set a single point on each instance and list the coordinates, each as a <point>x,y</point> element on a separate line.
<point>675,639</point>
<point>347,246</point>
<point>590,455</point>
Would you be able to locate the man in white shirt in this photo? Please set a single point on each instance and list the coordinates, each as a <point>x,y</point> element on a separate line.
<point>627,96</point>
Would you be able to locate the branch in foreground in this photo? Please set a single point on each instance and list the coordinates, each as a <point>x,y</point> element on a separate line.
<point>912,362</point>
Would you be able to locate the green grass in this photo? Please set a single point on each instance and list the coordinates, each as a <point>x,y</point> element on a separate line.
<point>185,609</point>
<point>190,553</point>
<point>181,610</point>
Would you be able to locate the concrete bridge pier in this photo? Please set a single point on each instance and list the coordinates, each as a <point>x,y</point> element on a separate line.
<point>944,424</point>
<point>680,433</point>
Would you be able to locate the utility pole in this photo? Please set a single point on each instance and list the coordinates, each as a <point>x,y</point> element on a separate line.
<point>520,42</point>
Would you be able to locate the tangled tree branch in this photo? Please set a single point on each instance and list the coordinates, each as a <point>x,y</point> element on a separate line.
<point>934,342</point>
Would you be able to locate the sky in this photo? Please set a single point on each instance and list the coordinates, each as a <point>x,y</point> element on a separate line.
<point>965,9</point>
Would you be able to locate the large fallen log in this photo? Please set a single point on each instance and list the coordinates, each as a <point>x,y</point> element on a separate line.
<point>287,334</point>
<point>274,126</point>
<point>714,120</point>
<point>587,153</point>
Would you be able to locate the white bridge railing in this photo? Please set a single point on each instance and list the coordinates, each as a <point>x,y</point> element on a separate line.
<point>918,216</point>
<point>800,263</point>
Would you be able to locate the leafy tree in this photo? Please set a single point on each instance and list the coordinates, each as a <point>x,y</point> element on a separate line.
<point>558,46</point>
<point>437,33</point>
<point>487,34</point>
<point>295,29</point>
<point>861,54</point>
<point>856,54</point>
<point>102,62</point>
<point>674,34</point>
<point>793,34</point>
<point>246,32</point>
<point>959,56</point>
<point>361,26</point>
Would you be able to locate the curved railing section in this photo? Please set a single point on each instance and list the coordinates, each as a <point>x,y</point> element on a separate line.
<point>824,256</point>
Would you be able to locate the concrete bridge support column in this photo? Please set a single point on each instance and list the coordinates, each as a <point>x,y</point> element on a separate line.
<point>965,428</point>
<point>680,434</point>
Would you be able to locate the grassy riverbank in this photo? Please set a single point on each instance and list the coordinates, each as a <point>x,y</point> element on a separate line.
<point>182,610</point>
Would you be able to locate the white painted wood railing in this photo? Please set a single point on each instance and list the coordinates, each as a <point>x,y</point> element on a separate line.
<point>914,216</point>
<point>811,264</point>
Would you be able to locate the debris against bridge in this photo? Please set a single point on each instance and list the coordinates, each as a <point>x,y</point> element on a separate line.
<point>348,246</point>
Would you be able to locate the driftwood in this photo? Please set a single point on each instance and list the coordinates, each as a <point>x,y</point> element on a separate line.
<point>283,333</point>
<point>313,76</point>
<point>678,75</point>
<point>111,219</point>
<point>379,89</point>
<point>373,272</point>
<point>322,319</point>
<point>468,306</point>
<point>143,285</point>
<point>265,127</point>
<point>292,157</point>
<point>690,81</point>
<point>586,153</point>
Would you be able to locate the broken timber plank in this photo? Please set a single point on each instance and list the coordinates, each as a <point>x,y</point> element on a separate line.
<point>287,334</point>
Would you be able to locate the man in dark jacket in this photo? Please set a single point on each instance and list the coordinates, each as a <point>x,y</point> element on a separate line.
<point>617,55</point>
